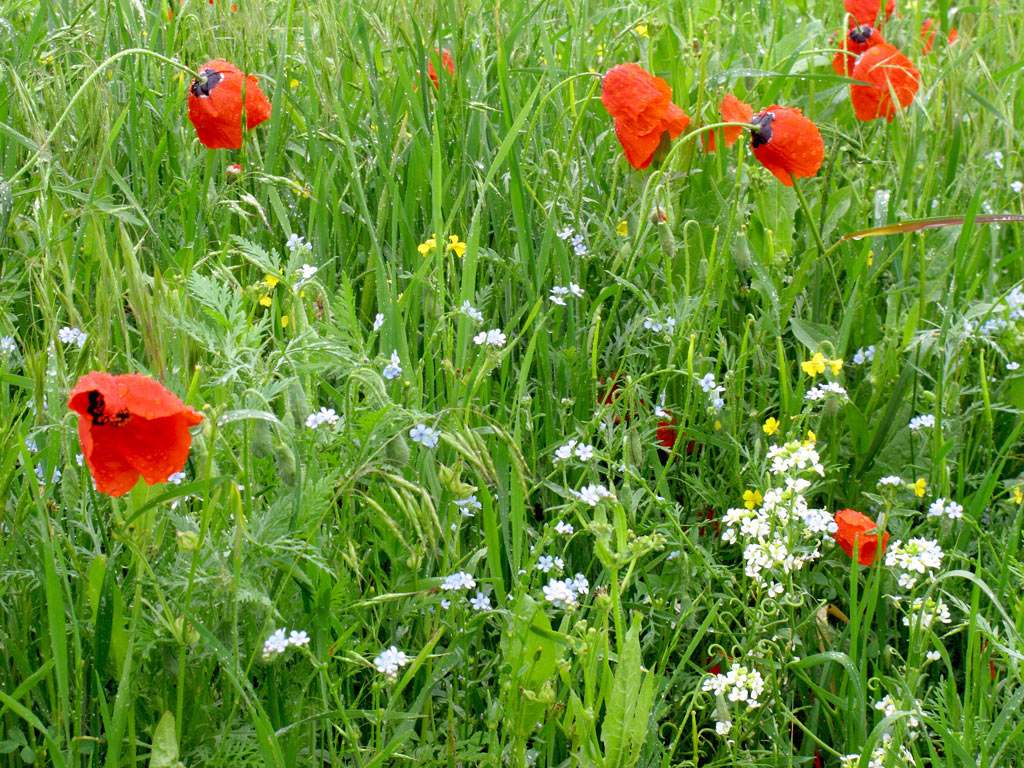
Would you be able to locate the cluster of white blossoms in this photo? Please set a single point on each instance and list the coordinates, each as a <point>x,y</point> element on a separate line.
<point>393,369</point>
<point>323,416</point>
<point>468,504</point>
<point>7,345</point>
<point>914,559</point>
<point>592,494</point>
<point>822,391</point>
<point>564,529</point>
<point>781,531</point>
<point>296,242</point>
<point>565,593</point>
<point>881,756</point>
<point>575,240</point>
<point>389,661</point>
<point>546,562</point>
<point>864,355</point>
<point>458,581</point>
<point>559,292</point>
<point>739,684</point>
<point>1006,312</point>
<point>471,312</point>
<point>492,338</point>
<point>920,422</point>
<point>713,390</point>
<point>888,708</point>
<point>69,335</point>
<point>656,324</point>
<point>424,435</point>
<point>927,611</point>
<point>281,640</point>
<point>945,508</point>
<point>582,451</point>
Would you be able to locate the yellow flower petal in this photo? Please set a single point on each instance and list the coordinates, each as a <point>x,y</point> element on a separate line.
<point>836,366</point>
<point>266,301</point>
<point>623,229</point>
<point>920,487</point>
<point>454,244</point>
<point>815,365</point>
<point>427,246</point>
<point>1018,494</point>
<point>770,426</point>
<point>284,321</point>
<point>271,280</point>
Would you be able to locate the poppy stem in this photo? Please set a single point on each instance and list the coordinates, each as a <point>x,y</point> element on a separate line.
<point>807,212</point>
<point>81,90</point>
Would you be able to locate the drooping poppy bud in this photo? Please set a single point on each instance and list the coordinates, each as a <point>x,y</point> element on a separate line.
<point>856,41</point>
<point>884,72</point>
<point>733,111</point>
<point>130,425</point>
<point>787,143</point>
<point>855,532</point>
<point>446,63</point>
<point>643,110</point>
<point>867,11</point>
<point>215,106</point>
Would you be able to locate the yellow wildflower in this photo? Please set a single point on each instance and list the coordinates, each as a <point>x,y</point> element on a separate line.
<point>427,246</point>
<point>811,438</point>
<point>920,487</point>
<point>623,229</point>
<point>718,425</point>
<point>770,426</point>
<point>454,244</point>
<point>815,365</point>
<point>752,499</point>
<point>266,301</point>
<point>284,321</point>
<point>836,366</point>
<point>1018,494</point>
<point>871,258</point>
<point>293,83</point>
<point>271,280</point>
<point>641,29</point>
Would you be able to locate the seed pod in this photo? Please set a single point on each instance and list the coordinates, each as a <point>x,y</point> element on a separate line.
<point>397,450</point>
<point>636,449</point>
<point>667,239</point>
<point>284,462</point>
<point>298,406</point>
<point>262,440</point>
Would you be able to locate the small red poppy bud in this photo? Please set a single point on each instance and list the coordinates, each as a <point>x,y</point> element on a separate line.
<point>233,171</point>
<point>854,531</point>
<point>787,143</point>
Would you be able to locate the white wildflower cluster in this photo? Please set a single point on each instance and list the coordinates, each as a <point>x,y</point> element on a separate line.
<point>920,422</point>
<point>7,345</point>
<point>581,451</point>
<point>480,602</point>
<point>713,390</point>
<point>393,369</point>
<point>41,474</point>
<point>822,391</point>
<point>389,661</point>
<point>881,756</point>
<point>468,504</point>
<point>592,494</point>
<point>656,324</point>
<point>563,528</point>
<point>916,558</point>
<point>575,240</point>
<point>559,292</point>
<point>281,640</point>
<point>889,481</point>
<point>927,611</point>
<point>547,562</point>
<point>491,338</point>
<point>323,416</point>
<point>945,508</point>
<point>378,321</point>
<point>296,242</point>
<point>306,273</point>
<point>565,593</point>
<point>782,532</point>
<point>175,478</point>
<point>864,355</point>
<point>470,311</point>
<point>739,684</point>
<point>69,335</point>
<point>424,435</point>
<point>888,708</point>
<point>1013,365</point>
<point>1017,186</point>
<point>1003,315</point>
<point>457,582</point>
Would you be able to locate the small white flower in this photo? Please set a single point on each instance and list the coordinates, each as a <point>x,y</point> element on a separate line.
<point>996,157</point>
<point>80,458</point>
<point>298,639</point>
<point>389,661</point>
<point>69,335</point>
<point>942,507</point>
<point>592,494</point>
<point>566,233</point>
<point>675,553</point>
<point>491,338</point>
<point>563,529</point>
<point>323,416</point>
<point>559,594</point>
<point>468,504</point>
<point>424,435</point>
<point>864,355</point>
<point>558,294</point>
<point>576,291</point>
<point>1016,186</point>
<point>393,369</point>
<point>545,563</point>
<point>474,314</point>
<point>446,603</point>
<point>827,389</point>
<point>307,271</point>
<point>175,478</point>
<point>926,420</point>
<point>564,452</point>
<point>579,584</point>
<point>378,321</point>
<point>295,243</point>
<point>1013,365</point>
<point>722,727</point>
<point>480,602</point>
<point>933,655</point>
<point>276,644</point>
<point>890,481</point>
<point>707,382</point>
<point>7,345</point>
<point>584,452</point>
<point>458,581</point>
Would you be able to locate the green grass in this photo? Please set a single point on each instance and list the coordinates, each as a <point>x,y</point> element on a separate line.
<point>116,611</point>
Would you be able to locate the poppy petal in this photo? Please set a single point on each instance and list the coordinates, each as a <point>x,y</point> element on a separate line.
<point>733,111</point>
<point>110,471</point>
<point>867,11</point>
<point>155,448</point>
<point>787,143</point>
<point>884,72</point>
<point>639,148</point>
<point>635,97</point>
<point>853,533</point>
<point>215,106</point>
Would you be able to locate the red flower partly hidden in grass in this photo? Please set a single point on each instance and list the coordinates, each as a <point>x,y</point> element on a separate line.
<point>733,111</point>
<point>787,143</point>
<point>215,106</point>
<point>928,35</point>
<point>643,110</point>
<point>856,41</point>
<point>854,530</point>
<point>130,425</point>
<point>885,72</point>
<point>446,64</point>
<point>867,11</point>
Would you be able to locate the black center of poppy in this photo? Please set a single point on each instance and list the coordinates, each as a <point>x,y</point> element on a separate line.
<point>98,410</point>
<point>202,90</point>
<point>762,129</point>
<point>861,34</point>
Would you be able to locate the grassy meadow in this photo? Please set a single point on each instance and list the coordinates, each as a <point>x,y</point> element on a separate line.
<point>511,453</point>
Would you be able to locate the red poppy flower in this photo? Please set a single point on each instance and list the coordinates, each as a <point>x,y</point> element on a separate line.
<point>643,110</point>
<point>666,433</point>
<point>853,531</point>
<point>787,143</point>
<point>885,72</point>
<point>928,35</point>
<point>866,11</point>
<point>858,40</point>
<point>215,107</point>
<point>130,425</point>
<point>733,111</point>
<point>446,64</point>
